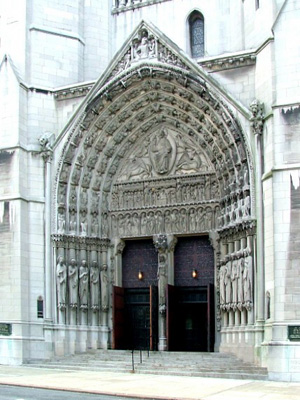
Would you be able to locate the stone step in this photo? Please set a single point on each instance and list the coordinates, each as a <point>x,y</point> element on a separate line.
<point>147,366</point>
<point>234,374</point>
<point>159,363</point>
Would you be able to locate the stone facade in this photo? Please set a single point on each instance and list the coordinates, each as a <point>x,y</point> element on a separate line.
<point>161,145</point>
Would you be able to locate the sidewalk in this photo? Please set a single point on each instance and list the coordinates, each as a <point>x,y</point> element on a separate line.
<point>149,386</point>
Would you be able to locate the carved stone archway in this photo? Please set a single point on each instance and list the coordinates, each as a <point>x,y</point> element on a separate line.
<point>157,150</point>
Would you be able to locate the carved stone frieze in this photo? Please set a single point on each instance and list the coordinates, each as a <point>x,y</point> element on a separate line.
<point>191,189</point>
<point>168,220</point>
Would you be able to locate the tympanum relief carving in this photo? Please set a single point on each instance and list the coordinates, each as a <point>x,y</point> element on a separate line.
<point>164,153</point>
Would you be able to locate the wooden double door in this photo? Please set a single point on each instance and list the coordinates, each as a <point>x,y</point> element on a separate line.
<point>189,318</point>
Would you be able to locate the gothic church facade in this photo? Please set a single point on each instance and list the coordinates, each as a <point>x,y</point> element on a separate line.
<point>149,188</point>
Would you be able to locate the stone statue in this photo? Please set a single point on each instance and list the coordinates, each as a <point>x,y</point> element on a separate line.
<point>73,283</point>
<point>73,223</point>
<point>227,283</point>
<point>135,225</point>
<point>83,225</point>
<point>61,275</point>
<point>143,223</point>
<point>189,161</point>
<point>247,279</point>
<point>83,284</point>
<point>159,222</point>
<point>222,277</point>
<point>168,221</point>
<point>61,221</point>
<point>95,225</point>
<point>192,220</point>
<point>240,296</point>
<point>246,209</point>
<point>160,152</point>
<point>234,281</point>
<point>104,287</point>
<point>162,278</point>
<point>95,283</point>
<point>105,225</point>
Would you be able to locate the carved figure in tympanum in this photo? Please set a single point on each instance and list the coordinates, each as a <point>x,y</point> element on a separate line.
<point>160,151</point>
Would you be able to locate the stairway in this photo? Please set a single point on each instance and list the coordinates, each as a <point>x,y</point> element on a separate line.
<point>215,365</point>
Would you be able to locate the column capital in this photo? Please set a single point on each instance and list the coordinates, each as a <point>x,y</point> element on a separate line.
<point>46,142</point>
<point>258,117</point>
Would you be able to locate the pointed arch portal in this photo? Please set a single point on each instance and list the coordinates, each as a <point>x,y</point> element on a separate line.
<point>156,151</point>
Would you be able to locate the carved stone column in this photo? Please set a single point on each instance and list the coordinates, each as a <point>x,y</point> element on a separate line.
<point>83,276</point>
<point>161,244</point>
<point>257,125</point>
<point>229,286</point>
<point>46,142</point>
<point>104,329</point>
<point>46,152</point>
<point>94,290</point>
<point>243,311</point>
<point>61,271</point>
<point>73,294</point>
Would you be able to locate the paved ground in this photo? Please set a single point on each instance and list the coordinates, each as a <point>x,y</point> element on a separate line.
<point>149,386</point>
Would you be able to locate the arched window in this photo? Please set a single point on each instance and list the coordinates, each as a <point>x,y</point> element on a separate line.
<point>196,25</point>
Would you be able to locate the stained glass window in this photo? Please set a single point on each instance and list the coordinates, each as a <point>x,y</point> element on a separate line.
<point>196,23</point>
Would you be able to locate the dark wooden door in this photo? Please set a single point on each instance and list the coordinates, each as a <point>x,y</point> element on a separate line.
<point>153,317</point>
<point>137,305</point>
<point>171,317</point>
<point>210,317</point>
<point>119,319</point>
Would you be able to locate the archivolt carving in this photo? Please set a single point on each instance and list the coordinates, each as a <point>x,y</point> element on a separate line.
<point>158,127</point>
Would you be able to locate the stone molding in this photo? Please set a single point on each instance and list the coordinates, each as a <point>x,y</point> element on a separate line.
<point>71,92</point>
<point>127,5</point>
<point>222,63</point>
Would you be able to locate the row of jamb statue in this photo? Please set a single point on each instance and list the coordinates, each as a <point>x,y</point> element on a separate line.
<point>74,285</point>
<point>236,281</point>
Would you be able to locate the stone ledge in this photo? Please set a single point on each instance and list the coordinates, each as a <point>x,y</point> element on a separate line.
<point>70,92</point>
<point>229,62</point>
<point>127,5</point>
